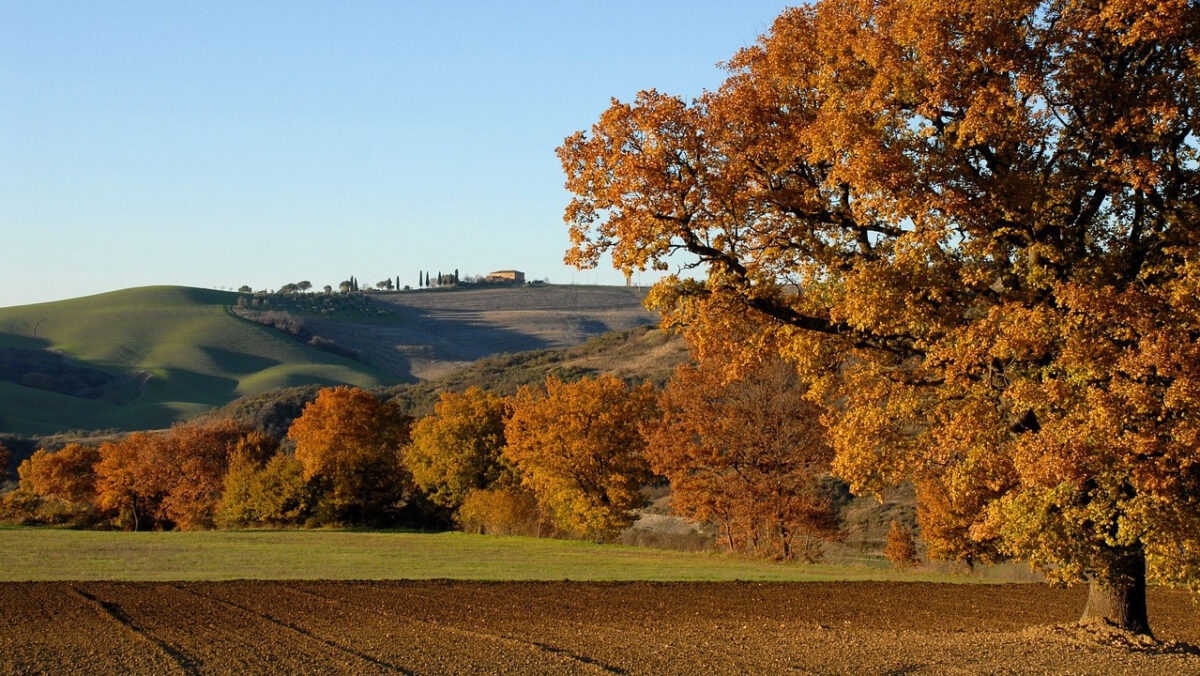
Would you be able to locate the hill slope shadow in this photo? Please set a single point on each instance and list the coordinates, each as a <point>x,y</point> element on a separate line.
<point>439,332</point>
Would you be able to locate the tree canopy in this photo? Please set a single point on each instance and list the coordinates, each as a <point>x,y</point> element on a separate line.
<point>579,451</point>
<point>350,443</point>
<point>972,226</point>
<point>459,448</point>
<point>748,455</point>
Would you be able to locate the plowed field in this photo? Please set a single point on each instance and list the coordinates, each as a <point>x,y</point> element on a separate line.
<point>566,628</point>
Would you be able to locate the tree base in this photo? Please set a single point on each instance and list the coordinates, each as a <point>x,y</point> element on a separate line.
<point>1122,600</point>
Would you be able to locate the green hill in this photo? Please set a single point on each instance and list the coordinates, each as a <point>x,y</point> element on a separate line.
<point>144,358</point>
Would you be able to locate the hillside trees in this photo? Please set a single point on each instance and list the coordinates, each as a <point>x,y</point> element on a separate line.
<point>59,486</point>
<point>973,228</point>
<point>459,448</point>
<point>578,449</point>
<point>746,454</point>
<point>350,443</point>
<point>163,480</point>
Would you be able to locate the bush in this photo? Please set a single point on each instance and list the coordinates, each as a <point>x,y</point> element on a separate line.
<point>901,547</point>
<point>505,511</point>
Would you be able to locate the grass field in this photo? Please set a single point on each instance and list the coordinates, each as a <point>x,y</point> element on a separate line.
<point>28,554</point>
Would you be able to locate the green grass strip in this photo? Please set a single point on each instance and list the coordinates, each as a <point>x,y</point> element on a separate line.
<point>28,554</point>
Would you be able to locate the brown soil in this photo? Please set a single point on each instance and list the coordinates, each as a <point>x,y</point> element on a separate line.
<point>587,628</point>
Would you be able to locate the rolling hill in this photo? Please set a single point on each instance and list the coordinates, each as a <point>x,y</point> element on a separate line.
<point>437,332</point>
<point>144,358</point>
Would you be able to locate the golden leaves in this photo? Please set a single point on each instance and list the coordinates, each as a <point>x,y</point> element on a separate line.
<point>459,447</point>
<point>578,450</point>
<point>971,225</point>
<point>745,452</point>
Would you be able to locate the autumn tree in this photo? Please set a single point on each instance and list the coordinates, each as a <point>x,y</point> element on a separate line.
<point>578,450</point>
<point>264,492</point>
<point>171,479</point>
<point>350,443</point>
<point>128,482</point>
<point>973,227</point>
<point>901,548</point>
<point>459,448</point>
<point>198,454</point>
<point>746,453</point>
<point>60,485</point>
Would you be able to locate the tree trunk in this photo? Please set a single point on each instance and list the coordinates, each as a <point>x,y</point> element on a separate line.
<point>1121,598</point>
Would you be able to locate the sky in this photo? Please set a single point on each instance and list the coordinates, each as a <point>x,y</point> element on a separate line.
<point>217,144</point>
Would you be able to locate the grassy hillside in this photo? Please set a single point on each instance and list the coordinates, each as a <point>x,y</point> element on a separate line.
<point>168,353</point>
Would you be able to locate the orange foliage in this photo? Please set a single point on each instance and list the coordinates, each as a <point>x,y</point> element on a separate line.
<point>350,445</point>
<point>57,487</point>
<point>119,488</point>
<point>170,479</point>
<point>500,511</point>
<point>901,547</point>
<point>578,450</point>
<point>746,454</point>
<point>974,228</point>
<point>68,474</point>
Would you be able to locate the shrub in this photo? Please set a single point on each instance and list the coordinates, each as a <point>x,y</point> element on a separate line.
<point>504,511</point>
<point>901,547</point>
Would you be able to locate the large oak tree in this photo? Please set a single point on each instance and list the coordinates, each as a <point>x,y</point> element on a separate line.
<point>973,227</point>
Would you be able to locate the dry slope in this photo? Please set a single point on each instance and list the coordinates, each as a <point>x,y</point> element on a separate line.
<point>437,332</point>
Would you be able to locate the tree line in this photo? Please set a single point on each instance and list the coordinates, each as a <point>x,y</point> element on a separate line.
<point>559,459</point>
<point>351,284</point>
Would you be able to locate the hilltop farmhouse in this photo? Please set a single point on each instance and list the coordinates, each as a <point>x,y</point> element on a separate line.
<point>506,277</point>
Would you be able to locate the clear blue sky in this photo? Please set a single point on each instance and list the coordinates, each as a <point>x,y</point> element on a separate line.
<point>225,143</point>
